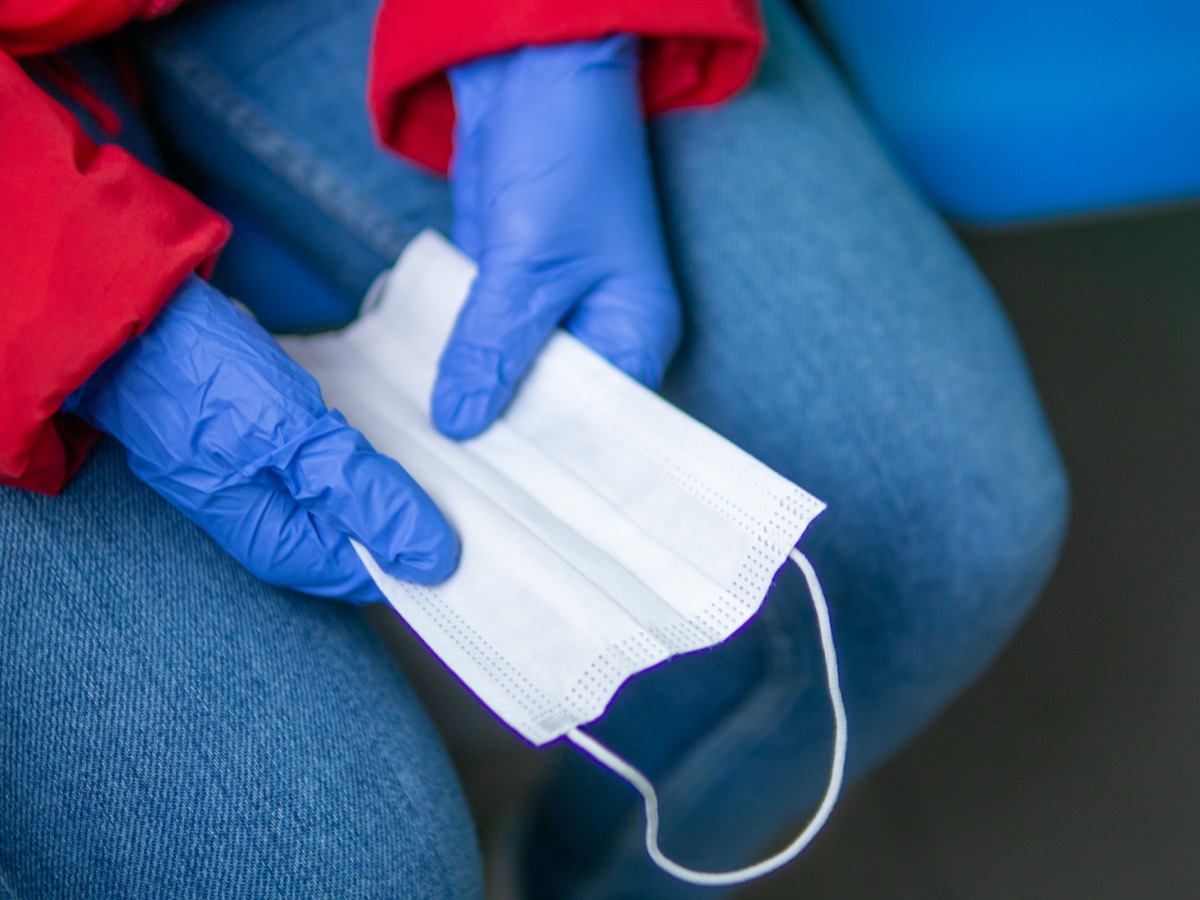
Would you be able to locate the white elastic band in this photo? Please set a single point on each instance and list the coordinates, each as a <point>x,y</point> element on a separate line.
<point>607,758</point>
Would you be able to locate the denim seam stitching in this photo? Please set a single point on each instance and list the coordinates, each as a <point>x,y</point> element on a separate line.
<point>253,132</point>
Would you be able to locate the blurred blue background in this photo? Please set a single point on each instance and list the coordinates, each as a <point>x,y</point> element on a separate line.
<point>1030,108</point>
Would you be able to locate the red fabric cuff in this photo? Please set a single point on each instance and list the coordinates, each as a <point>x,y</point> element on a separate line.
<point>92,244</point>
<point>694,53</point>
<point>29,27</point>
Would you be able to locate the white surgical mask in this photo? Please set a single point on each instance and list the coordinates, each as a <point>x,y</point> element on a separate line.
<point>603,530</point>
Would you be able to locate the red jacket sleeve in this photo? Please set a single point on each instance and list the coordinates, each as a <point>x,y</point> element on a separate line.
<point>36,26</point>
<point>92,244</point>
<point>694,52</point>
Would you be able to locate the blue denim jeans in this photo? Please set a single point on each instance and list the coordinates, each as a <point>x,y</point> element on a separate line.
<point>180,725</point>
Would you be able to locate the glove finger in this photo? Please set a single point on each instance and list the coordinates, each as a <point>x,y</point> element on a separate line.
<point>464,190</point>
<point>277,540</point>
<point>475,85</point>
<point>636,328</point>
<point>501,328</point>
<point>335,474</point>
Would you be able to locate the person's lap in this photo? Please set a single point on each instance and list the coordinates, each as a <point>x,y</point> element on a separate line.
<point>174,727</point>
<point>834,330</point>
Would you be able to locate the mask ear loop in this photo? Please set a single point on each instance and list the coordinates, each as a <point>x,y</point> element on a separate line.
<point>620,767</point>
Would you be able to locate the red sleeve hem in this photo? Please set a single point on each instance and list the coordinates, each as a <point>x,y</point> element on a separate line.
<point>92,244</point>
<point>694,53</point>
<point>29,27</point>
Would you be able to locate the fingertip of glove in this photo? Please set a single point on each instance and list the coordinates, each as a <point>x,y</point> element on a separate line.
<point>460,414</point>
<point>431,563</point>
<point>364,594</point>
<point>641,368</point>
<point>436,568</point>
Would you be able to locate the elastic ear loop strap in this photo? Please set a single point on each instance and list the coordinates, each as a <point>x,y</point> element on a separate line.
<point>620,767</point>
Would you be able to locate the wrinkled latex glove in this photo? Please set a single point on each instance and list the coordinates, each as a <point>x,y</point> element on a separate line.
<point>218,420</point>
<point>554,199</point>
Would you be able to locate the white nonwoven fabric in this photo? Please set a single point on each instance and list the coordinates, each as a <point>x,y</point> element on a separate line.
<point>603,530</point>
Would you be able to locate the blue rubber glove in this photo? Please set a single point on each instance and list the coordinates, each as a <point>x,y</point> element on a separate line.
<point>554,199</point>
<point>219,421</point>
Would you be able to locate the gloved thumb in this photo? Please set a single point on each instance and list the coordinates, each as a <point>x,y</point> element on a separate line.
<point>335,474</point>
<point>506,319</point>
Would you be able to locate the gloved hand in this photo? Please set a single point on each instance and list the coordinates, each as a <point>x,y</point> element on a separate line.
<point>219,421</point>
<point>555,201</point>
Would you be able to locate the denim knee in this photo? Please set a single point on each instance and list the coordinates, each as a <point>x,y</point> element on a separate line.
<point>933,563</point>
<point>996,517</point>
